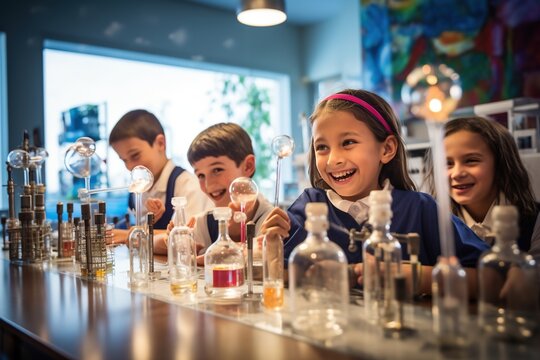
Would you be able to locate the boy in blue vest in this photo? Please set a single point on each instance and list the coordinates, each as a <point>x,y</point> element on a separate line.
<point>218,155</point>
<point>138,139</point>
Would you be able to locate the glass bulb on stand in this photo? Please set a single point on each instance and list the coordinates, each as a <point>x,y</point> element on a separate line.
<point>20,159</point>
<point>243,190</point>
<point>37,158</point>
<point>82,161</point>
<point>141,180</point>
<point>282,147</point>
<point>272,253</point>
<point>433,92</point>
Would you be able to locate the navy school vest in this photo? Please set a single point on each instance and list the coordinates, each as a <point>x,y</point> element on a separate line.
<point>164,220</point>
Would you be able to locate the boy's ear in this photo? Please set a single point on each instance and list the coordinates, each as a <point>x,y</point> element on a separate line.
<point>160,141</point>
<point>248,165</point>
<point>390,146</point>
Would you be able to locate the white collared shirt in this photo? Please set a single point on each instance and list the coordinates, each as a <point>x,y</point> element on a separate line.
<point>358,209</point>
<point>484,228</point>
<point>186,185</point>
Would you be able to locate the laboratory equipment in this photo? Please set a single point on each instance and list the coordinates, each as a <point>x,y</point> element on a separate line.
<point>282,147</point>
<point>224,262</point>
<point>243,190</point>
<point>273,262</point>
<point>250,233</point>
<point>433,92</point>
<point>82,161</point>
<point>508,305</point>
<point>29,232</point>
<point>141,181</point>
<point>381,256</point>
<point>181,252</point>
<point>318,280</point>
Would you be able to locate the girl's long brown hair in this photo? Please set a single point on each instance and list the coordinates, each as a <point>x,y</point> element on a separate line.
<point>396,169</point>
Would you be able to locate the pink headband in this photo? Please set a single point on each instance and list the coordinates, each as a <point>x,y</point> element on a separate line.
<point>363,104</point>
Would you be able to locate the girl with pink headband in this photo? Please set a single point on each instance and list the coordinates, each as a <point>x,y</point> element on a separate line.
<point>356,148</point>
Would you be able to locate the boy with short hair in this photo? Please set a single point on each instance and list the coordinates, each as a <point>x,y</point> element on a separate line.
<point>138,139</point>
<point>218,155</point>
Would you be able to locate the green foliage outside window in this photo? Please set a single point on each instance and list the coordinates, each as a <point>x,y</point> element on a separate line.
<point>238,94</point>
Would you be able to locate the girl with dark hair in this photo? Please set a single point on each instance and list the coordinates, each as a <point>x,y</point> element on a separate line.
<point>484,170</point>
<point>356,148</point>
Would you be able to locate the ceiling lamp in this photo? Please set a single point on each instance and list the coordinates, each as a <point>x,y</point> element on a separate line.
<point>262,12</point>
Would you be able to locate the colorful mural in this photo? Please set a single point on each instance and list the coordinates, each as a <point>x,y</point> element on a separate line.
<point>493,45</point>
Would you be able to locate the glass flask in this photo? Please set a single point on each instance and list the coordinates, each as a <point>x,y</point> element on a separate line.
<point>224,262</point>
<point>381,254</point>
<point>318,281</point>
<point>182,253</point>
<point>509,284</point>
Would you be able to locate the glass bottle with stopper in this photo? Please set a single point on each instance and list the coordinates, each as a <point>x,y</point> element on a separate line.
<point>142,181</point>
<point>318,280</point>
<point>181,251</point>
<point>381,257</point>
<point>508,306</point>
<point>433,92</point>
<point>224,262</point>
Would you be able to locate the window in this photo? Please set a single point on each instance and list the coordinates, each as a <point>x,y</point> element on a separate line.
<point>100,85</point>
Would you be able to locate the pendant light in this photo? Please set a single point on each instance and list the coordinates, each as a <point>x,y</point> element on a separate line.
<point>262,12</point>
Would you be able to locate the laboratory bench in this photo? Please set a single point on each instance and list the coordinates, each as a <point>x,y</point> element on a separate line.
<point>48,310</point>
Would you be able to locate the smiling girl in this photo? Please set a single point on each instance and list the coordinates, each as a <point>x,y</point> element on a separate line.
<point>484,170</point>
<point>356,147</point>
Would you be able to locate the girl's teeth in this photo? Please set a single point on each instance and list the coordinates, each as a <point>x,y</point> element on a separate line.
<point>342,174</point>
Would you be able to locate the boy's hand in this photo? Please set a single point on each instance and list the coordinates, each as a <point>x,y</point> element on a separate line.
<point>276,223</point>
<point>234,227</point>
<point>118,236</point>
<point>156,206</point>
